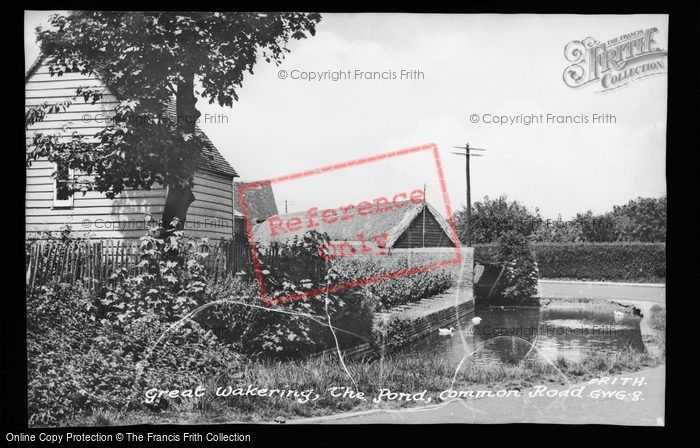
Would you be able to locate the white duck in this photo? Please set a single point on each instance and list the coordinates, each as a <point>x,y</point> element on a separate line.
<point>446,331</point>
<point>476,320</point>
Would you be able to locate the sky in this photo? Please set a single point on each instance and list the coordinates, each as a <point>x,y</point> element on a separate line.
<point>461,73</point>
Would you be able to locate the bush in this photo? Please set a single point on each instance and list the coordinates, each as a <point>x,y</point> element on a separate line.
<point>79,360</point>
<point>253,329</point>
<point>292,329</point>
<point>392,333</point>
<point>90,350</point>
<point>486,254</point>
<point>617,262</point>
<point>521,275</point>
<point>622,262</point>
<point>392,291</point>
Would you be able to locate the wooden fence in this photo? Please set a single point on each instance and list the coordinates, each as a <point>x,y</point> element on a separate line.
<point>97,260</point>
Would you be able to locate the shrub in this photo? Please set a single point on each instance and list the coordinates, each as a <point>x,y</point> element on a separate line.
<point>279,331</point>
<point>294,328</point>
<point>621,262</point>
<point>521,275</point>
<point>392,333</point>
<point>90,350</point>
<point>485,254</point>
<point>79,361</point>
<point>392,291</point>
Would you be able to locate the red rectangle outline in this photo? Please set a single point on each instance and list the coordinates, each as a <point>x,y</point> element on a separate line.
<point>338,166</point>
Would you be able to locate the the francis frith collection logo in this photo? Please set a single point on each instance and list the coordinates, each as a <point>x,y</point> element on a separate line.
<point>614,63</point>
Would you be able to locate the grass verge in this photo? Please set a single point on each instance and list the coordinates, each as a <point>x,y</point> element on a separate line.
<point>267,390</point>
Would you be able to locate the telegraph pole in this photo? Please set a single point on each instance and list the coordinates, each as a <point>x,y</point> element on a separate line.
<point>285,204</point>
<point>469,196</point>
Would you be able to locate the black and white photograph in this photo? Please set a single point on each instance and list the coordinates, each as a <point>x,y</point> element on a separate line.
<point>270,219</point>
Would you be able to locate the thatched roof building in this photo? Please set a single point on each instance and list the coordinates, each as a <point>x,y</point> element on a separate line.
<point>406,224</point>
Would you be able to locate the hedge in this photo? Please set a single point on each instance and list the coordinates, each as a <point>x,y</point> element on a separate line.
<point>392,290</point>
<point>615,262</point>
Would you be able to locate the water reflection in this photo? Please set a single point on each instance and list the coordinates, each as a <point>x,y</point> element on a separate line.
<point>571,332</point>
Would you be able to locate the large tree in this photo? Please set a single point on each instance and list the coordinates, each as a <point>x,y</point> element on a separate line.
<point>642,219</point>
<point>156,64</point>
<point>493,218</point>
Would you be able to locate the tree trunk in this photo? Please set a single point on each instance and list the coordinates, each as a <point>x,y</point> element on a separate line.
<point>180,194</point>
<point>176,205</point>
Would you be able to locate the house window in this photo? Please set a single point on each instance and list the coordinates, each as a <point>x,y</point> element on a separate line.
<point>61,187</point>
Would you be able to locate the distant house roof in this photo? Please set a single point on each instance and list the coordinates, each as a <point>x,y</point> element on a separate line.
<point>395,222</point>
<point>210,158</point>
<point>259,199</point>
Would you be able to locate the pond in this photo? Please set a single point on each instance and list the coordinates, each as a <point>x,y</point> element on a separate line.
<point>572,332</point>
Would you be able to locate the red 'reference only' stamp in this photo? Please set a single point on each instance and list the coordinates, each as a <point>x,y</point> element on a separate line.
<point>315,219</point>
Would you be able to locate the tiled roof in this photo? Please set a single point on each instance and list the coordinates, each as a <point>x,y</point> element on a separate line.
<point>210,158</point>
<point>259,199</point>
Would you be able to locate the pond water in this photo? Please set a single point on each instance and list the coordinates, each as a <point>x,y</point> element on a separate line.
<point>502,335</point>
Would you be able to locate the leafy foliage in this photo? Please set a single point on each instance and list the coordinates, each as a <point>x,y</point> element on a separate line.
<point>559,231</point>
<point>521,274</point>
<point>596,228</point>
<point>490,219</point>
<point>617,262</point>
<point>392,333</point>
<point>297,327</point>
<point>620,262</point>
<point>173,282</point>
<point>90,350</point>
<point>643,219</point>
<point>151,61</point>
<point>391,290</point>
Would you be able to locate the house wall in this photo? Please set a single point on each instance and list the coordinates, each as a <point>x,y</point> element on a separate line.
<point>413,236</point>
<point>87,119</point>
<point>211,214</point>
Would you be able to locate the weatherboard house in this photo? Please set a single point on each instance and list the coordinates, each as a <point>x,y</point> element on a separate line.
<point>382,227</point>
<point>49,208</point>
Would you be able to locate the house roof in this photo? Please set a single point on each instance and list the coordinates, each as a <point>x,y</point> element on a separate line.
<point>394,222</point>
<point>259,199</point>
<point>210,158</point>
